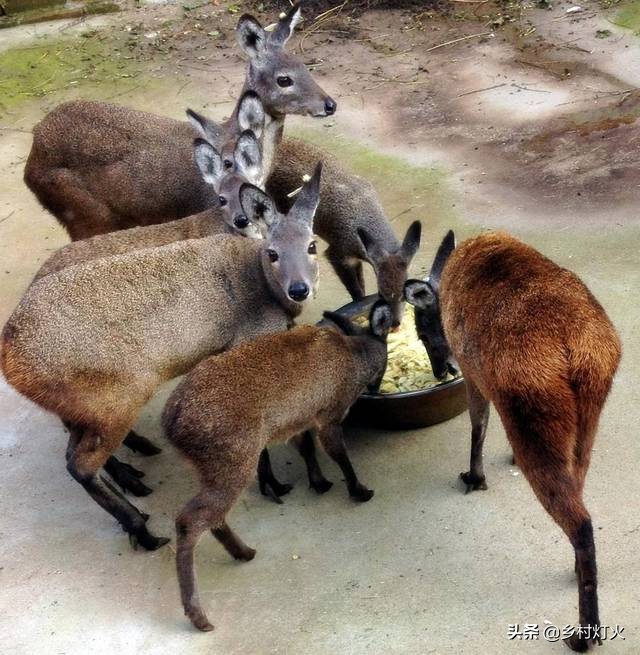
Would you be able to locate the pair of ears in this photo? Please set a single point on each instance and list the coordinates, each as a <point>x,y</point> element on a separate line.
<point>380,321</point>
<point>247,157</point>
<point>424,293</point>
<point>255,41</point>
<point>247,153</point>
<point>408,249</point>
<point>258,206</point>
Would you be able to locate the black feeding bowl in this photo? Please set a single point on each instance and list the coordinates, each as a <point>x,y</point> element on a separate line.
<point>405,410</point>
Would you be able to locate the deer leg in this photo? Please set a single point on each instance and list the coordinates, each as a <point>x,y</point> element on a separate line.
<point>350,274</point>
<point>126,476</point>
<point>332,441</point>
<point>207,510</point>
<point>139,444</point>
<point>267,481</point>
<point>474,478</point>
<point>543,435</point>
<point>92,450</point>
<point>307,449</point>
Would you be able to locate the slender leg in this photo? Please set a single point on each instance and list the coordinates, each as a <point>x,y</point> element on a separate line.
<point>543,435</point>
<point>350,275</point>
<point>92,450</point>
<point>139,444</point>
<point>332,441</point>
<point>206,510</point>
<point>232,543</point>
<point>126,476</point>
<point>307,449</point>
<point>474,479</point>
<point>267,482</point>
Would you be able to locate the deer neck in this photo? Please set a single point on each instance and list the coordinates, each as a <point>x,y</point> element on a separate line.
<point>290,307</point>
<point>273,131</point>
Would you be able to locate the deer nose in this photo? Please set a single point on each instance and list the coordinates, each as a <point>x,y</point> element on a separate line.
<point>241,221</point>
<point>298,291</point>
<point>330,106</point>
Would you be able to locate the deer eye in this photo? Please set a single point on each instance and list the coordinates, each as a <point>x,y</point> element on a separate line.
<point>228,163</point>
<point>284,80</point>
<point>222,200</point>
<point>313,248</point>
<point>273,255</point>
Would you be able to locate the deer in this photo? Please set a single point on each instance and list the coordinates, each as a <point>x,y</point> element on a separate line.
<point>350,218</point>
<point>529,337</point>
<point>92,342</point>
<point>303,379</point>
<point>85,162</point>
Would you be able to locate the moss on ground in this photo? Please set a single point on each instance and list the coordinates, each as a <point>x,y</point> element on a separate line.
<point>58,65</point>
<point>628,16</point>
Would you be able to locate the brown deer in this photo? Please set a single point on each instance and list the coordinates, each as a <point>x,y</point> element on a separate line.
<point>229,408</point>
<point>530,338</point>
<point>93,342</point>
<point>99,167</point>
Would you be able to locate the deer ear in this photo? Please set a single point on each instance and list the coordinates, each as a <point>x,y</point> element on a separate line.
<point>286,25</point>
<point>380,319</point>
<point>251,113</point>
<point>248,157</point>
<point>419,294</point>
<point>346,326</point>
<point>257,205</point>
<point>251,36</point>
<point>307,200</point>
<point>206,127</point>
<point>209,162</point>
<point>411,241</point>
<point>447,246</point>
<point>373,250</point>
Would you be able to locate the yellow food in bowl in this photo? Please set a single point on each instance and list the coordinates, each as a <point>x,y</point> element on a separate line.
<point>408,366</point>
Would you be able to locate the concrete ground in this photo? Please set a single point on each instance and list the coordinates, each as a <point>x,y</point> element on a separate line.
<point>422,568</point>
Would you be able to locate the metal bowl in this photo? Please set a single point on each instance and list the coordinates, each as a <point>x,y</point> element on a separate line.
<point>408,409</point>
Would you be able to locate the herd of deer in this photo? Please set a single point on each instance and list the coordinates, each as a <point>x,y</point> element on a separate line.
<point>190,254</point>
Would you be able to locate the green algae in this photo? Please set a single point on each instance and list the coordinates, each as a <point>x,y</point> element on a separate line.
<point>60,65</point>
<point>628,16</point>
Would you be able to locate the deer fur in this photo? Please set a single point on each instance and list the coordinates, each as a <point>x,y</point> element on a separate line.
<point>94,341</point>
<point>351,220</point>
<point>99,167</point>
<point>216,220</point>
<point>530,338</point>
<point>229,408</point>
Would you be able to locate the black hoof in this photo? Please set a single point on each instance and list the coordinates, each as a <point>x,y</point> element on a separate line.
<point>362,494</point>
<point>321,486</point>
<point>147,540</point>
<point>131,470</point>
<point>141,445</point>
<point>127,477</point>
<point>245,555</point>
<point>274,490</point>
<point>473,482</point>
<point>577,644</point>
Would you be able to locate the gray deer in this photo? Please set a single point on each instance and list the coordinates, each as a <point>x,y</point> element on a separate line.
<point>100,167</point>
